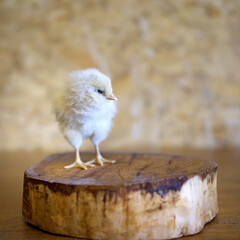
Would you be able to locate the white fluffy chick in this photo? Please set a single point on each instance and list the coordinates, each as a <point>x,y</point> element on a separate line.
<point>85,109</point>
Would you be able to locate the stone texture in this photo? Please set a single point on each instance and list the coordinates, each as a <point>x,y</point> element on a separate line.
<point>174,65</point>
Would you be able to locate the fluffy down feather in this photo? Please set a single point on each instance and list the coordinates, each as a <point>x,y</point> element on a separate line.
<point>85,109</point>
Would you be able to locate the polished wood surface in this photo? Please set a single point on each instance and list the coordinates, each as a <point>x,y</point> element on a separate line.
<point>225,226</point>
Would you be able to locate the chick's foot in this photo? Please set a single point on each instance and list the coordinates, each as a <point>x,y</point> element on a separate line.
<point>80,164</point>
<point>101,160</point>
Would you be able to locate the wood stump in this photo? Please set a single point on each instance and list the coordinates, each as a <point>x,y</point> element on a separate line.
<point>142,196</point>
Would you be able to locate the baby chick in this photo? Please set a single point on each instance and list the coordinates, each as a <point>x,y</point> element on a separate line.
<point>85,109</point>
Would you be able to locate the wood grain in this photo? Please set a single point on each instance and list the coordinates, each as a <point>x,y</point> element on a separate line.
<point>130,171</point>
<point>225,226</point>
<point>141,196</point>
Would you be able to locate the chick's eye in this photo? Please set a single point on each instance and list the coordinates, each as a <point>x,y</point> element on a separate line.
<point>100,91</point>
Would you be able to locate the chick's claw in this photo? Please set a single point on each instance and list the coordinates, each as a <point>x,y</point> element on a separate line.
<point>104,160</point>
<point>80,165</point>
<point>101,160</point>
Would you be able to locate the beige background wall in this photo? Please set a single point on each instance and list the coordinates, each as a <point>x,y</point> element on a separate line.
<point>175,67</point>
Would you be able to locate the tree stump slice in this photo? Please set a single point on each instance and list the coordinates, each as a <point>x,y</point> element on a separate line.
<point>142,196</point>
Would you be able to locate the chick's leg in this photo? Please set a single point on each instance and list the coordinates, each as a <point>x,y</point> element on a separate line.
<point>99,159</point>
<point>79,163</point>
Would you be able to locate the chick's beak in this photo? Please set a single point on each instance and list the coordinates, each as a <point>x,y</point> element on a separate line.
<point>112,97</point>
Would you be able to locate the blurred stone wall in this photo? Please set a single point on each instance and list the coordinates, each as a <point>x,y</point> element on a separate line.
<point>175,67</point>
